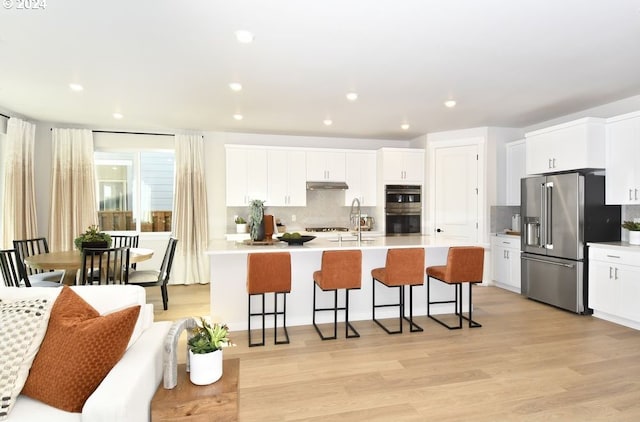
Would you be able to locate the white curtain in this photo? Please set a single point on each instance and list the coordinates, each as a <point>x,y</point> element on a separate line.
<point>190,264</point>
<point>19,220</point>
<point>73,197</point>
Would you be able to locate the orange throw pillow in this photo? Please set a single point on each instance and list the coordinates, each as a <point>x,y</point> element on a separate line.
<point>78,351</point>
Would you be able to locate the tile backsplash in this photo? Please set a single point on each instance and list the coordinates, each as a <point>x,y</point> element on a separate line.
<point>501,217</point>
<point>324,208</point>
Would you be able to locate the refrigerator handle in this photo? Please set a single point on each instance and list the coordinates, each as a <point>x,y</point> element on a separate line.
<point>542,241</point>
<point>548,216</point>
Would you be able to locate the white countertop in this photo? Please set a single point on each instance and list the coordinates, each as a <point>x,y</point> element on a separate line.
<point>615,245</point>
<point>221,246</point>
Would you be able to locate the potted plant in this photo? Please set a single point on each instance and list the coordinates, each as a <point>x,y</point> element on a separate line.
<point>205,351</point>
<point>256,215</point>
<point>92,238</point>
<point>634,231</point>
<point>241,225</point>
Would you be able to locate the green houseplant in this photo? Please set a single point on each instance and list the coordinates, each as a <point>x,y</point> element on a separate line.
<point>93,237</point>
<point>241,225</point>
<point>205,351</point>
<point>256,216</point>
<point>634,231</point>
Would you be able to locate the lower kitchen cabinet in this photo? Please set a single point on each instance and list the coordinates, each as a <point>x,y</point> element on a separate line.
<point>614,283</point>
<point>505,252</point>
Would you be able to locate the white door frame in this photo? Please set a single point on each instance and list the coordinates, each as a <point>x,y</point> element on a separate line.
<point>480,142</point>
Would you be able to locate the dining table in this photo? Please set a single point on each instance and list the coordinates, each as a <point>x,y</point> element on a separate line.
<point>71,261</point>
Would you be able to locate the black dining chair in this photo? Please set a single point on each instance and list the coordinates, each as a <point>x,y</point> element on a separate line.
<point>148,278</point>
<point>28,247</point>
<point>14,275</point>
<point>125,240</point>
<point>105,266</point>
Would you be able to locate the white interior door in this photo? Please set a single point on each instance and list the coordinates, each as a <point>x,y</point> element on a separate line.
<point>456,192</point>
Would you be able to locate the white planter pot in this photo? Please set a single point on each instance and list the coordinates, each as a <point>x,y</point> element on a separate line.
<point>205,368</point>
<point>634,237</point>
<point>241,228</point>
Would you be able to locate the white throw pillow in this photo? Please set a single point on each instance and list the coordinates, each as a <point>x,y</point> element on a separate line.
<point>23,324</point>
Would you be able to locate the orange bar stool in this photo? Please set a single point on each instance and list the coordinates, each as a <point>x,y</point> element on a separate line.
<point>403,267</point>
<point>464,265</point>
<point>339,270</point>
<point>269,273</point>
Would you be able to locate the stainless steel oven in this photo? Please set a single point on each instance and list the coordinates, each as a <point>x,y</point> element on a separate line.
<point>403,209</point>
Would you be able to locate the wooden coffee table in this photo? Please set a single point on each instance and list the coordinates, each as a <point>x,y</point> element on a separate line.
<point>199,403</point>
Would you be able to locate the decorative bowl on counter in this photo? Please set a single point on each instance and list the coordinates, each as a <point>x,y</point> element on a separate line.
<point>296,240</point>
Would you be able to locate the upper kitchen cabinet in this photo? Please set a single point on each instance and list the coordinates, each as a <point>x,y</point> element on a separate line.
<point>569,146</point>
<point>623,149</point>
<point>402,165</point>
<point>326,166</point>
<point>246,175</point>
<point>286,177</point>
<point>515,153</point>
<point>361,178</point>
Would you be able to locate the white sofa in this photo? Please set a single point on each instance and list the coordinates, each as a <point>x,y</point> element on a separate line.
<point>126,392</point>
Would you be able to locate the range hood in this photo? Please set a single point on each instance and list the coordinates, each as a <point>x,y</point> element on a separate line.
<point>327,186</point>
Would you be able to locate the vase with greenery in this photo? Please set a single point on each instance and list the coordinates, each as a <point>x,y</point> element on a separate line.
<point>634,231</point>
<point>92,238</point>
<point>205,351</point>
<point>256,216</point>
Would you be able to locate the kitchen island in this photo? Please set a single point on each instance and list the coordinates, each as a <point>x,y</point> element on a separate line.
<point>228,261</point>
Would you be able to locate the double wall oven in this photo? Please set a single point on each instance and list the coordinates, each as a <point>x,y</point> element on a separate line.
<point>403,209</point>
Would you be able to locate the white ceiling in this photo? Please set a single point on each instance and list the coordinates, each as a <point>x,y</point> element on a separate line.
<point>166,64</point>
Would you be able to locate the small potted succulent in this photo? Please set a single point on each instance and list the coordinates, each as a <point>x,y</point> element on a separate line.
<point>634,231</point>
<point>205,351</point>
<point>92,238</point>
<point>241,225</point>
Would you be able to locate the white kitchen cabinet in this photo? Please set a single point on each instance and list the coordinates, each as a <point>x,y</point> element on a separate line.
<point>402,166</point>
<point>326,166</point>
<point>505,253</point>
<point>622,165</point>
<point>246,175</point>
<point>361,178</point>
<point>569,146</point>
<point>286,172</point>
<point>614,283</point>
<point>516,170</point>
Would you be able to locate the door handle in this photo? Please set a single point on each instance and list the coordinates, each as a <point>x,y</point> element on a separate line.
<point>554,163</point>
<point>630,196</point>
<point>549,164</point>
<point>615,273</point>
<point>636,194</point>
<point>439,230</point>
<point>610,273</point>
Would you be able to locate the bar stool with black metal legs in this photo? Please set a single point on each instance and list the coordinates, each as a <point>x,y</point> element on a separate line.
<point>403,267</point>
<point>269,273</point>
<point>339,270</point>
<point>464,265</point>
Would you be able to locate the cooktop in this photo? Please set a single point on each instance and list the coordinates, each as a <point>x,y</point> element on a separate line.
<point>326,229</point>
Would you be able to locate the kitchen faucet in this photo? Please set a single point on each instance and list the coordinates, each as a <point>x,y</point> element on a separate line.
<point>357,214</point>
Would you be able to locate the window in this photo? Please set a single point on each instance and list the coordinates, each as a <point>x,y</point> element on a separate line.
<point>134,190</point>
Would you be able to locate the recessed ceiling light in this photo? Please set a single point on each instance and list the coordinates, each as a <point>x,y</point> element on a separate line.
<point>327,122</point>
<point>405,126</point>
<point>244,37</point>
<point>352,96</point>
<point>235,86</point>
<point>238,116</point>
<point>450,103</point>
<point>117,115</point>
<point>76,87</point>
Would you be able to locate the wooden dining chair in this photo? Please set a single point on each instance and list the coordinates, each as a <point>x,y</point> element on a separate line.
<point>14,276</point>
<point>125,240</point>
<point>28,247</point>
<point>148,278</point>
<point>105,266</point>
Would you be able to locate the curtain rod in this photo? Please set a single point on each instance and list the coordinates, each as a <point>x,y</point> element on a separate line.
<point>5,116</point>
<point>133,133</point>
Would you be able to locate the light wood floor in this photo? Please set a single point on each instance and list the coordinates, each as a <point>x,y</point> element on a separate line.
<point>529,362</point>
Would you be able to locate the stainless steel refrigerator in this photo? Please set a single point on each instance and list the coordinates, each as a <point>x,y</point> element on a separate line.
<point>560,214</point>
